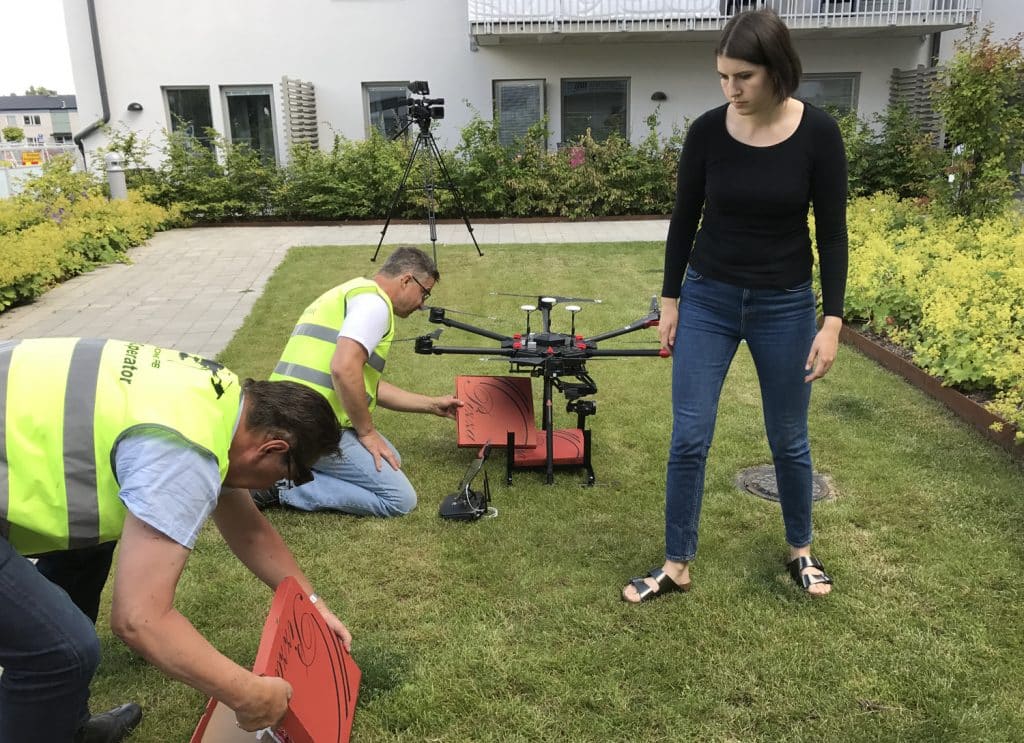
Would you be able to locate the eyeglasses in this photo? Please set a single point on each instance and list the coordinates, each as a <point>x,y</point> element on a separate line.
<point>425,290</point>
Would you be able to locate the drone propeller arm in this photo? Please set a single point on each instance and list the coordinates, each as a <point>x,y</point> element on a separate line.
<point>647,321</point>
<point>644,322</point>
<point>423,347</point>
<point>437,315</point>
<point>610,352</point>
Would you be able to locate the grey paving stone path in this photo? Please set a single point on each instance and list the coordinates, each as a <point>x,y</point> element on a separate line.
<point>191,289</point>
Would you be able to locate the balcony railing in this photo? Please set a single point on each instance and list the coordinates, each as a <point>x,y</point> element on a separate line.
<point>511,17</point>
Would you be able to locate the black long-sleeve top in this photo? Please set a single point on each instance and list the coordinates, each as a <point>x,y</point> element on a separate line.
<point>754,202</point>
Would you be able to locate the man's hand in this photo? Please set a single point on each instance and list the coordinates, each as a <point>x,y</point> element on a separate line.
<point>374,443</point>
<point>266,703</point>
<point>824,349</point>
<point>668,323</point>
<point>335,624</point>
<point>445,406</point>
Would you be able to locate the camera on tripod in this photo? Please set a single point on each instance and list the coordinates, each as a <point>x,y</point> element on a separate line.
<point>423,110</point>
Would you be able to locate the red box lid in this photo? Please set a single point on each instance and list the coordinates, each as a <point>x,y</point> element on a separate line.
<point>297,646</point>
<point>493,406</point>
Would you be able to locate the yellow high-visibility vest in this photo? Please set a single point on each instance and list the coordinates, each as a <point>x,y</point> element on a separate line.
<point>307,355</point>
<point>64,405</point>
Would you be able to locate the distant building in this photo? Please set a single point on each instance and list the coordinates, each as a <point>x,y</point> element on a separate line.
<point>45,119</point>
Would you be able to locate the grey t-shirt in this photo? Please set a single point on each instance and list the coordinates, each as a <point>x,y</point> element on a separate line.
<point>166,483</point>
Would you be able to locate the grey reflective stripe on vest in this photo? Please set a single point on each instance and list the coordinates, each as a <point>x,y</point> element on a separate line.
<point>324,333</point>
<point>305,373</point>
<point>320,332</point>
<point>80,443</point>
<point>6,348</point>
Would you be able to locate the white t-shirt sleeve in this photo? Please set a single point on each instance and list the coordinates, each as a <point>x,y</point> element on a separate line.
<point>366,320</point>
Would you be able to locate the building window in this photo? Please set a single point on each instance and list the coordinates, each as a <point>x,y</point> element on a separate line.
<point>518,105</point>
<point>598,105</point>
<point>188,110</point>
<point>386,109</point>
<point>250,115</point>
<point>835,92</point>
<point>33,120</point>
<point>12,120</point>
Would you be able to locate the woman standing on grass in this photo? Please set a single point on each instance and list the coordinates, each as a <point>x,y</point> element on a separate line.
<point>748,173</point>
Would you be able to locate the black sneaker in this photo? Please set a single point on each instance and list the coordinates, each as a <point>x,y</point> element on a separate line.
<point>266,497</point>
<point>112,726</point>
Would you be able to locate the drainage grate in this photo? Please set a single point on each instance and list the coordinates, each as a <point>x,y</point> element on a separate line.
<point>760,481</point>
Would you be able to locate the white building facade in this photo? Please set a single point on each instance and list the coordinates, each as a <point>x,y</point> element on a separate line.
<point>599,64</point>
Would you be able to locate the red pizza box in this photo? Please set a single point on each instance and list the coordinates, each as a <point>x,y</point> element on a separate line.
<point>492,407</point>
<point>297,646</point>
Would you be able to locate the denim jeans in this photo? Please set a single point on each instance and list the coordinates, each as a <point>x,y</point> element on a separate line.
<point>352,484</point>
<point>49,652</point>
<point>82,573</point>
<point>779,327</point>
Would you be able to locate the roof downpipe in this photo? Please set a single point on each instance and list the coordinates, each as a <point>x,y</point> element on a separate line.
<point>101,82</point>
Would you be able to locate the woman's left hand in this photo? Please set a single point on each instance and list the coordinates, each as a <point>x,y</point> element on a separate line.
<point>824,349</point>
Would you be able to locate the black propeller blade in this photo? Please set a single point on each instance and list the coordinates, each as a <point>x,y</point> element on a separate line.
<point>555,297</point>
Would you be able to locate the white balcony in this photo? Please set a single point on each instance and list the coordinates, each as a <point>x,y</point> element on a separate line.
<point>546,21</point>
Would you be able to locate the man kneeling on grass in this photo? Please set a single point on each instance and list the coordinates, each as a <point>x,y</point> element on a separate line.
<point>339,348</point>
<point>104,440</point>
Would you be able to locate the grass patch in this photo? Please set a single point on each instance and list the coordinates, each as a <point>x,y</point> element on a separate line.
<point>510,629</point>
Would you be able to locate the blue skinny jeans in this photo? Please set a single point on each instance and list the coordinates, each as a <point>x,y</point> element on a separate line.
<point>778,326</point>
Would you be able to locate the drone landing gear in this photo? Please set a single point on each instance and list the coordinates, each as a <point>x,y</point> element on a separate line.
<point>499,410</point>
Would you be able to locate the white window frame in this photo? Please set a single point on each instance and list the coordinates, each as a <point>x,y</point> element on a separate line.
<point>227,91</point>
<point>853,77</point>
<point>539,84</point>
<point>617,78</point>
<point>369,85</point>
<point>199,136</point>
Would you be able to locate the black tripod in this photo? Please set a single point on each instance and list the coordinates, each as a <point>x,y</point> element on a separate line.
<point>425,141</point>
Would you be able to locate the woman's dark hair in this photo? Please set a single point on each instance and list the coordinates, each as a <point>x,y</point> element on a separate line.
<point>760,37</point>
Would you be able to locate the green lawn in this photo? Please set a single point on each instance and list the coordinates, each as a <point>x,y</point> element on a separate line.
<point>510,629</point>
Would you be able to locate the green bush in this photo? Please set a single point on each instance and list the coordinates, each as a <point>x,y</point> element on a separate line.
<point>946,288</point>
<point>894,155</point>
<point>351,181</point>
<point>980,99</point>
<point>12,133</point>
<point>360,179</point>
<point>239,184</point>
<point>61,225</point>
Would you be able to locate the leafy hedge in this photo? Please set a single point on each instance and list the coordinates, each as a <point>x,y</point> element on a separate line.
<point>62,225</point>
<point>360,179</point>
<point>946,288</point>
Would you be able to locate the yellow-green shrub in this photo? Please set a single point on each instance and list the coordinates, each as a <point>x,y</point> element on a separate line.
<point>17,215</point>
<point>948,289</point>
<point>76,237</point>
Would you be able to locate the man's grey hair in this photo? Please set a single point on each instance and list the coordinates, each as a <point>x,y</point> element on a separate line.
<point>408,259</point>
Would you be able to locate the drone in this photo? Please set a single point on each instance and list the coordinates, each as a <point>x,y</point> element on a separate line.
<point>501,408</point>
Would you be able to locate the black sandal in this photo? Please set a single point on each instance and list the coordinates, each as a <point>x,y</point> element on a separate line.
<point>798,565</point>
<point>665,586</point>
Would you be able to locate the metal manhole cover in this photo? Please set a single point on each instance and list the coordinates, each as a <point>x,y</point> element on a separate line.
<point>760,481</point>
